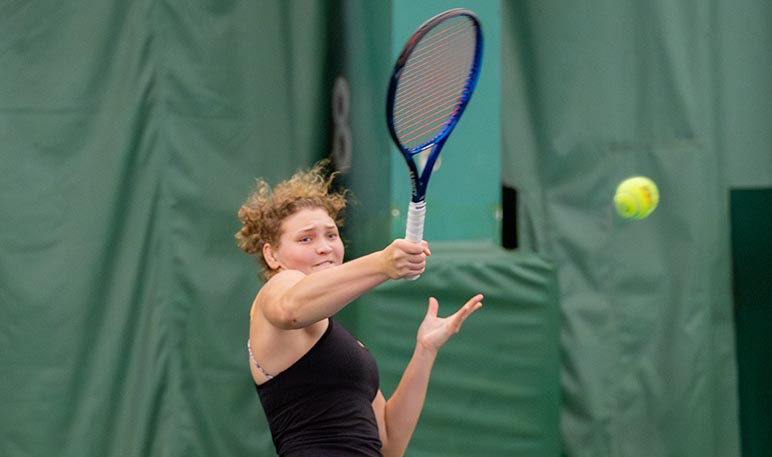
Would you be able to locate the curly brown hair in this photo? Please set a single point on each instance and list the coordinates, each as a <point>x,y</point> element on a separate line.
<point>264,211</point>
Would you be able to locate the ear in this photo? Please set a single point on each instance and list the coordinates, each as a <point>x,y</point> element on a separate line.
<point>269,254</point>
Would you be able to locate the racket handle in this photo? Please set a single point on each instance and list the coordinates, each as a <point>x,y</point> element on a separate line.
<point>416,213</point>
<point>414,231</point>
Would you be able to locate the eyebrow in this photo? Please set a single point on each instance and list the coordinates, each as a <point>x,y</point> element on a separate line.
<point>311,228</point>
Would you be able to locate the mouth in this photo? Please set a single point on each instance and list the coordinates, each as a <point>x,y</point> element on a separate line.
<point>325,264</point>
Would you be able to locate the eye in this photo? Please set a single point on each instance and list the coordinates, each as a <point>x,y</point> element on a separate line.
<point>305,239</point>
<point>332,236</point>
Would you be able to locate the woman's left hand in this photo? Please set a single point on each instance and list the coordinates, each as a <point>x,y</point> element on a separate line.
<point>435,331</point>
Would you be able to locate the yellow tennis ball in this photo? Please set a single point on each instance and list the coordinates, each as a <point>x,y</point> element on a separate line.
<point>636,197</point>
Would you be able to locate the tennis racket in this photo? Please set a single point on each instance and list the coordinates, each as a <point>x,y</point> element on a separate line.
<point>431,84</point>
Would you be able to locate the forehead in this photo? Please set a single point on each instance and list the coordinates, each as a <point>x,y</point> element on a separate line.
<point>307,218</point>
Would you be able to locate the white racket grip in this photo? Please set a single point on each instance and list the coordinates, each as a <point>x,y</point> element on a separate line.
<point>416,212</point>
<point>414,230</point>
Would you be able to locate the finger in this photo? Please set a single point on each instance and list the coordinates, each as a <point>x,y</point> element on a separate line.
<point>425,245</point>
<point>473,302</point>
<point>411,248</point>
<point>469,307</point>
<point>416,258</point>
<point>409,267</point>
<point>413,272</point>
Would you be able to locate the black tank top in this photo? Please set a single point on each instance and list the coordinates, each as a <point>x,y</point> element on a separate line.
<point>322,404</point>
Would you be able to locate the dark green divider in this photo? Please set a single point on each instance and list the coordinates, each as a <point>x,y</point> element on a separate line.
<point>751,251</point>
<point>495,386</point>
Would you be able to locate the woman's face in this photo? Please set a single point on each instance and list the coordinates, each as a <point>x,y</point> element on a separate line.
<point>309,242</point>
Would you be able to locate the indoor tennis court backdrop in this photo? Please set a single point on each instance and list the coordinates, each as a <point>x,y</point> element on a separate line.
<point>131,132</point>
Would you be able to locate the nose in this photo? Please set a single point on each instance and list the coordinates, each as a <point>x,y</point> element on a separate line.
<point>323,247</point>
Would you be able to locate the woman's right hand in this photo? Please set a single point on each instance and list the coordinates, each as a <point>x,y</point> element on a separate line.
<point>404,259</point>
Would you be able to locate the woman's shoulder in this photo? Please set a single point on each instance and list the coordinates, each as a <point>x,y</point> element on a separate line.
<point>275,287</point>
<point>280,282</point>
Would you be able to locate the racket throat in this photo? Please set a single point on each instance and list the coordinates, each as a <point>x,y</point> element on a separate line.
<point>426,159</point>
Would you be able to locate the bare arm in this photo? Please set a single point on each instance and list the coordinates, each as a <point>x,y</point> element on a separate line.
<point>293,300</point>
<point>398,417</point>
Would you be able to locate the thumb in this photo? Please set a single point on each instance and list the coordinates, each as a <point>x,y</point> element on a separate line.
<point>434,306</point>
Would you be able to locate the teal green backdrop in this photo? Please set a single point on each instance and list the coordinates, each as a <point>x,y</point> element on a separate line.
<point>596,92</point>
<point>130,133</point>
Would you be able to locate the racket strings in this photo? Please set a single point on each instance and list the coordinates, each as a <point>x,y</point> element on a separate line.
<point>422,84</point>
<point>426,114</point>
<point>431,104</point>
<point>430,44</point>
<point>441,81</point>
<point>434,82</point>
<point>441,38</point>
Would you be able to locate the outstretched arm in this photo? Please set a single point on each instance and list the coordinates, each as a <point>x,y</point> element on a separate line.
<point>292,300</point>
<point>397,417</point>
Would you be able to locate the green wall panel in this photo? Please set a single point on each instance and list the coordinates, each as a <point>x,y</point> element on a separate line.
<point>495,387</point>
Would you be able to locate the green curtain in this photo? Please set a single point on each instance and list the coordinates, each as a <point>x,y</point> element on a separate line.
<point>598,92</point>
<point>130,133</point>
<point>743,67</point>
<point>495,387</point>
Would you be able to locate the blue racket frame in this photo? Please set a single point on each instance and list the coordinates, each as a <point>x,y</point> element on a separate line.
<point>420,181</point>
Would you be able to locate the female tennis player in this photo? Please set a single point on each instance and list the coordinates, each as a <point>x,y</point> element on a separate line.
<point>318,385</point>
